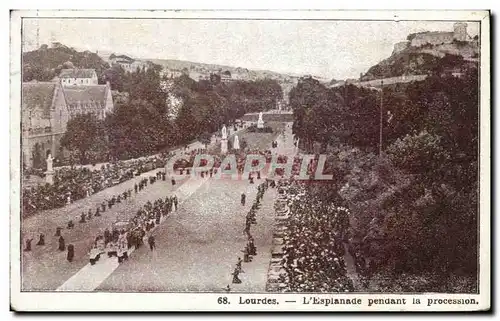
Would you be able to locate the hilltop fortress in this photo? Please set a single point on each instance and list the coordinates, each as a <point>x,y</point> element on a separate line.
<point>459,33</point>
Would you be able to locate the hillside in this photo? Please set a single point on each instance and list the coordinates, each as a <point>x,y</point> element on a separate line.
<point>45,63</point>
<point>197,69</point>
<point>426,59</point>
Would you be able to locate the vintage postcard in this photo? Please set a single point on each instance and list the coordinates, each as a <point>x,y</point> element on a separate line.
<point>250,161</point>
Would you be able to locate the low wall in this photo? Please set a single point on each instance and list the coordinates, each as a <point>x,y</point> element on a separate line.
<point>279,117</point>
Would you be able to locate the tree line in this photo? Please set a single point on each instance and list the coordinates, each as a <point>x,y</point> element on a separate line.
<point>144,121</point>
<point>414,207</point>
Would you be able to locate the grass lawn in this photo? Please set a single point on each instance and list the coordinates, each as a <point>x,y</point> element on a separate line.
<point>262,141</point>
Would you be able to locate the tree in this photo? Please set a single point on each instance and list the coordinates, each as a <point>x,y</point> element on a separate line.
<point>83,132</point>
<point>46,63</point>
<point>418,154</point>
<point>136,129</point>
<point>309,95</point>
<point>414,209</point>
<point>68,65</point>
<point>120,98</point>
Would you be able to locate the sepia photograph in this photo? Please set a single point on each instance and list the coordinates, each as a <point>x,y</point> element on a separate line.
<point>238,161</point>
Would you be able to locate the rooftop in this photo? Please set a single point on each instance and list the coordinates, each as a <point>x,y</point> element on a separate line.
<point>85,94</point>
<point>38,95</point>
<point>77,73</point>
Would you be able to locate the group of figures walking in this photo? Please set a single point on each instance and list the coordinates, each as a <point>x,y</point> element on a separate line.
<point>250,249</point>
<point>118,242</point>
<point>73,183</point>
<point>115,241</point>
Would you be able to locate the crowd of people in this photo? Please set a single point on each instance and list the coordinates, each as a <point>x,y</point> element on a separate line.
<point>313,248</point>
<point>71,184</point>
<point>117,239</point>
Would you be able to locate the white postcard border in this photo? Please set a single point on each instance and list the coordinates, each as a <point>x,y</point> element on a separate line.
<point>57,301</point>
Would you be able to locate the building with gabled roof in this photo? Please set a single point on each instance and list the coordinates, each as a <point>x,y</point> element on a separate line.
<point>95,99</point>
<point>44,116</point>
<point>46,109</point>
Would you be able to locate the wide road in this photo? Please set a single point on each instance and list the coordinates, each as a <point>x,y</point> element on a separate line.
<point>198,246</point>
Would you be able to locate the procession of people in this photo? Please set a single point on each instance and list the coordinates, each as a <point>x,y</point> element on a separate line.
<point>250,250</point>
<point>71,183</point>
<point>116,241</point>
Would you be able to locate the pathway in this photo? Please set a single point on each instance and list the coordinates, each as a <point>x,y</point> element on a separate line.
<point>198,247</point>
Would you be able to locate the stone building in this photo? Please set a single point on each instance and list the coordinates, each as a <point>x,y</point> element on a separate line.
<point>128,64</point>
<point>46,109</point>
<point>459,33</point>
<point>44,116</point>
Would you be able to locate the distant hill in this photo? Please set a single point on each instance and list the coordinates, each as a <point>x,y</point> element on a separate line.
<point>46,62</point>
<point>197,69</point>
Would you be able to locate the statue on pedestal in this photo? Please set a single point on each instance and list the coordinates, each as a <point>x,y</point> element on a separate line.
<point>50,162</point>
<point>223,142</point>
<point>260,122</point>
<point>224,132</point>
<point>49,174</point>
<point>236,144</point>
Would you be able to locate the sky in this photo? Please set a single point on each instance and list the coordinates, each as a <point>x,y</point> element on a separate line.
<point>330,49</point>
